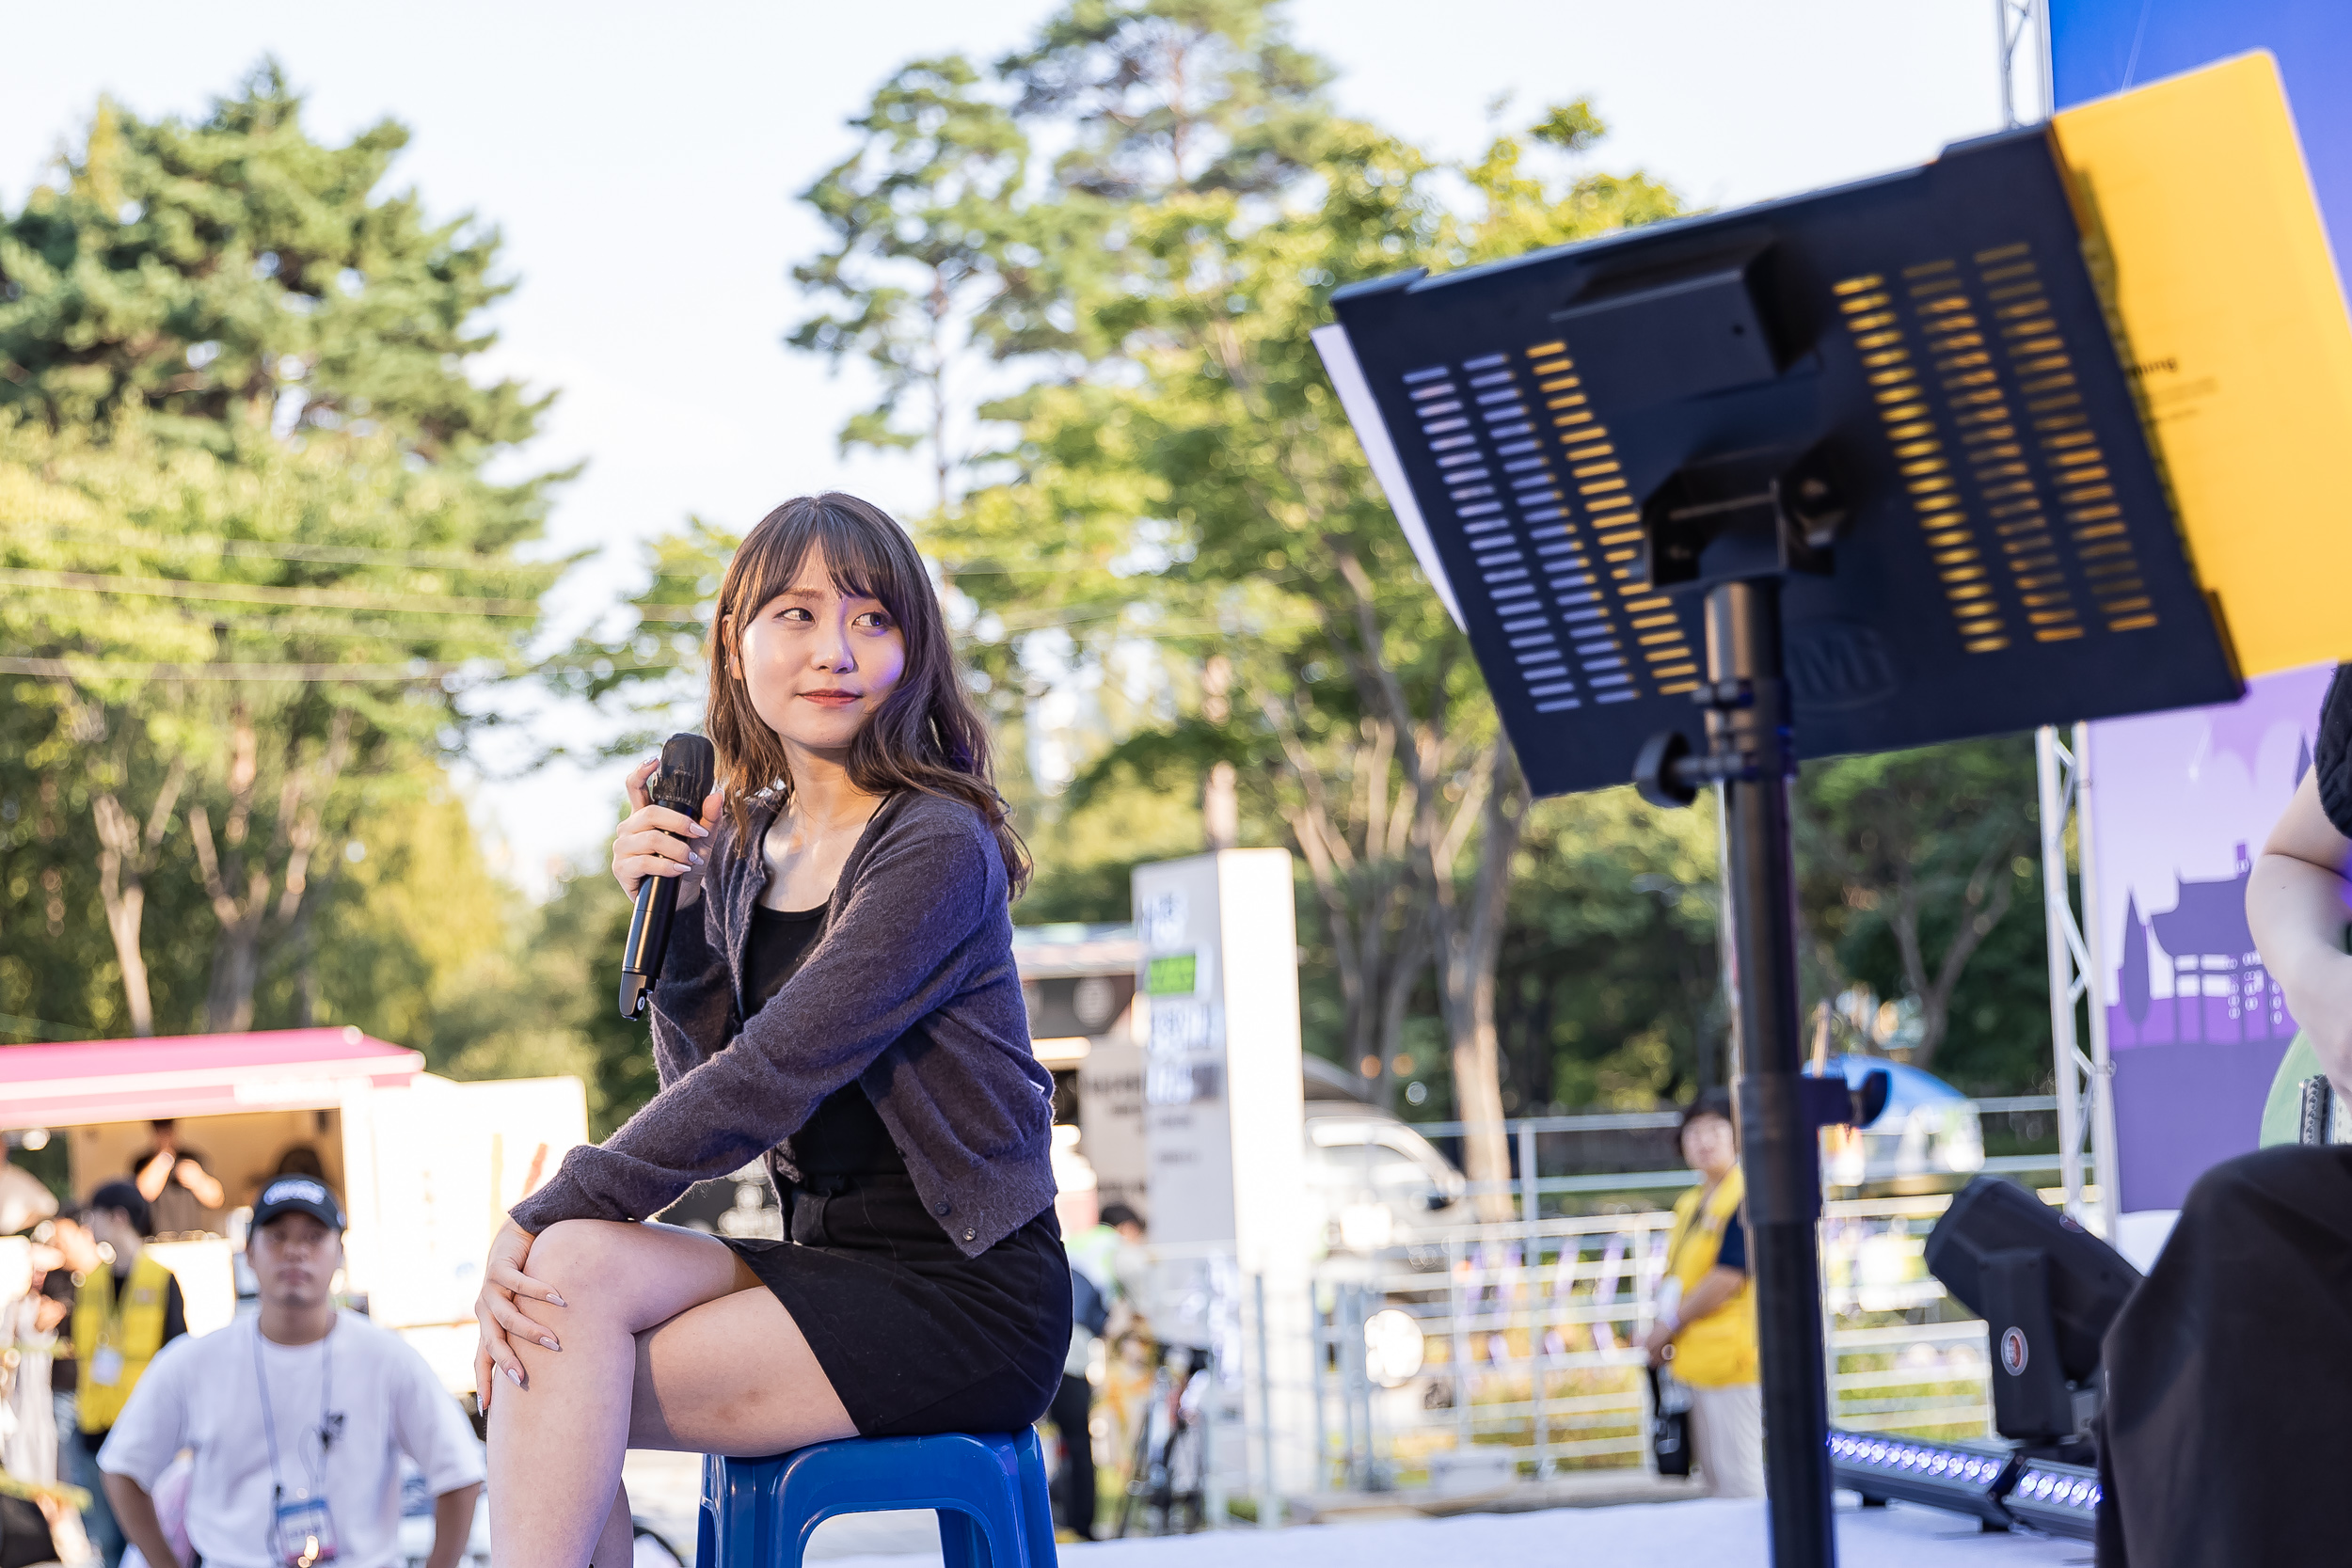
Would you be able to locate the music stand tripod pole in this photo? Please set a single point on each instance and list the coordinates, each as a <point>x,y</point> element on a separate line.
<point>1751,757</point>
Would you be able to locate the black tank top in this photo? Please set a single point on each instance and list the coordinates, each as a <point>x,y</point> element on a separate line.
<point>846,1136</point>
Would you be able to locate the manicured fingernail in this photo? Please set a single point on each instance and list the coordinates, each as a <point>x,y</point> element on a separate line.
<point>554,1299</point>
<point>549,1340</point>
<point>701,832</point>
<point>694,858</point>
<point>513,1376</point>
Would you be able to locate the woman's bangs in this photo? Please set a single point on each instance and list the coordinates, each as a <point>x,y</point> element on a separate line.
<point>858,563</point>
<point>860,568</point>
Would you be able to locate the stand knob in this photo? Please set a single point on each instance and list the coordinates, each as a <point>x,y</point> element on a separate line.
<point>1658,773</point>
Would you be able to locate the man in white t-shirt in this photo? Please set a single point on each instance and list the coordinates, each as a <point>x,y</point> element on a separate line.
<point>298,1418</point>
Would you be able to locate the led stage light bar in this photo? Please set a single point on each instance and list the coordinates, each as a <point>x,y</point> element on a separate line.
<point>1991,1482</point>
<point>2056,1499</point>
<point>1964,1478</point>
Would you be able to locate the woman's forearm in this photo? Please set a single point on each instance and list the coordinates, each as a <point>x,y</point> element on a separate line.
<point>2297,913</point>
<point>2294,906</point>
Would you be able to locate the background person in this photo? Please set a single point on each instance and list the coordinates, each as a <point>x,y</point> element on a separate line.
<point>24,1201</point>
<point>182,1196</point>
<point>1705,1317</point>
<point>77,1252</point>
<point>857,900</point>
<point>123,1316</point>
<point>1103,1260</point>
<point>297,1416</point>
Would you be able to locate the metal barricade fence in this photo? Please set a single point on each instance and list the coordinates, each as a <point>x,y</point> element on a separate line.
<point>1480,1356</point>
<point>1530,1362</point>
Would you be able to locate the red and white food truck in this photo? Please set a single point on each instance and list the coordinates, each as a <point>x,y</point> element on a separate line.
<point>426,1167</point>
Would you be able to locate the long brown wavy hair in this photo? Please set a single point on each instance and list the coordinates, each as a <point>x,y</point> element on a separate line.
<point>926,736</point>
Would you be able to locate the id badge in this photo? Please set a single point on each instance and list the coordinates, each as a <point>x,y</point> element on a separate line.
<point>106,1367</point>
<point>304,1534</point>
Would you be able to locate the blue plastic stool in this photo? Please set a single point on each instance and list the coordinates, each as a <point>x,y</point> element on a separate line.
<point>989,1491</point>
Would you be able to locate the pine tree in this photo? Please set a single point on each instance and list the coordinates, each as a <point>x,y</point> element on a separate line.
<point>236,267</point>
<point>252,554</point>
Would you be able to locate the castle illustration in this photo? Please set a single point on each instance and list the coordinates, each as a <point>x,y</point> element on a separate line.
<point>2221,990</point>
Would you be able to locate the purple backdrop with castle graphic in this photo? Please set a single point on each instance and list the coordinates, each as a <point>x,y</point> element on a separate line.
<point>2181,802</point>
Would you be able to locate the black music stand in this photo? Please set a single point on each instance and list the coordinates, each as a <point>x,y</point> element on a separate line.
<point>1849,472</point>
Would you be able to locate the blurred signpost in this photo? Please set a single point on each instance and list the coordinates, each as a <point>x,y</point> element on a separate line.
<point>1217,1015</point>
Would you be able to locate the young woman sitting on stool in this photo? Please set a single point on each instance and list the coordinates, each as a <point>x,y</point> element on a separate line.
<point>840,998</point>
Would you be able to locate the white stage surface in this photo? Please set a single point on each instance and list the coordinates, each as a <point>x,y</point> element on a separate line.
<point>1718,1534</point>
<point>664,1488</point>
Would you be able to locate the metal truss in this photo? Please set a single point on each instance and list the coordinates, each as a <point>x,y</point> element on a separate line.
<point>2025,25</point>
<point>2085,1083</point>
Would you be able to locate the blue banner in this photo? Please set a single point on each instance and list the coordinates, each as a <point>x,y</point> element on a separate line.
<point>2103,46</point>
<point>2195,1024</point>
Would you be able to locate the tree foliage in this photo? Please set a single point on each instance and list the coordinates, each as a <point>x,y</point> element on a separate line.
<point>253,561</point>
<point>236,265</point>
<point>1913,863</point>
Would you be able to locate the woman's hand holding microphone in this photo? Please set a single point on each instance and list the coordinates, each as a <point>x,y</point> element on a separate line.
<point>655,841</point>
<point>651,841</point>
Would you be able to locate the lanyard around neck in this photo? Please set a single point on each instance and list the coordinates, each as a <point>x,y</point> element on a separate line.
<point>269,1420</point>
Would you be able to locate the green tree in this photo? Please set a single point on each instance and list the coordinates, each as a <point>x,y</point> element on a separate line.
<point>1179,477</point>
<point>252,553</point>
<point>1909,863</point>
<point>222,639</point>
<point>917,214</point>
<point>1607,981</point>
<point>236,265</point>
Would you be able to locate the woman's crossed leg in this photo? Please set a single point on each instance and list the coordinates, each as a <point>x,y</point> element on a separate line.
<point>667,1341</point>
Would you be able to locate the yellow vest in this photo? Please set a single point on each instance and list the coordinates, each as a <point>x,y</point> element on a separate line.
<point>136,1333</point>
<point>1718,1350</point>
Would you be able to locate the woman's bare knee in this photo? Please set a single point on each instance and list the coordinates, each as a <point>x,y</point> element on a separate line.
<point>571,1256</point>
<point>629,1274</point>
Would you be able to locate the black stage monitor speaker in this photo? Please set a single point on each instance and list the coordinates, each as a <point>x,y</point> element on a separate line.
<point>2032,1399</point>
<point>2087,1280</point>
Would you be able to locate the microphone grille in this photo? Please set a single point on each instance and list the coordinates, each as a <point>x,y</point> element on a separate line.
<point>687,763</point>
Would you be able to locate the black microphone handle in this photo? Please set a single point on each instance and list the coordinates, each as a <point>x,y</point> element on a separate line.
<point>648,940</point>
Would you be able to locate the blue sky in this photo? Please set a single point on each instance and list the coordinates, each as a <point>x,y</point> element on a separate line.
<point>610,142</point>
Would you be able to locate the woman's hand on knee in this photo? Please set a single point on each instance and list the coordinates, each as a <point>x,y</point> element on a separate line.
<point>497,1310</point>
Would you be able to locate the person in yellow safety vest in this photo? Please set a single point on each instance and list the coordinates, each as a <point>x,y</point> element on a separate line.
<point>121,1317</point>
<point>1704,1326</point>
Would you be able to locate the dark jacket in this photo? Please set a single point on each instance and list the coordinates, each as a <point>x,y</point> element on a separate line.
<point>911,992</point>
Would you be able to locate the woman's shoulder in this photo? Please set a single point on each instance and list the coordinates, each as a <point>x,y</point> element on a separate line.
<point>947,837</point>
<point>918,812</point>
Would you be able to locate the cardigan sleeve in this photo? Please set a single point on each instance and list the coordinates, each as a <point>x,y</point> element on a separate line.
<point>2333,759</point>
<point>901,944</point>
<point>693,999</point>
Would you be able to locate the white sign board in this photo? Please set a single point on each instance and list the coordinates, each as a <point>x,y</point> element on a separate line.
<point>1216,1013</point>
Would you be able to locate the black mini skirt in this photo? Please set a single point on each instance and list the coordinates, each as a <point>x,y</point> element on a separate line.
<point>915,1337</point>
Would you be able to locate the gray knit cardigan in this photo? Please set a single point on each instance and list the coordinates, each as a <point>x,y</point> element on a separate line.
<point>911,992</point>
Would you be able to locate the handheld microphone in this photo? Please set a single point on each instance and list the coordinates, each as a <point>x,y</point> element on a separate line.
<point>680,783</point>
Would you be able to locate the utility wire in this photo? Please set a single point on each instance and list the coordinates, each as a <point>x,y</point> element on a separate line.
<point>297,624</point>
<point>98,669</point>
<point>316,598</point>
<point>338,555</point>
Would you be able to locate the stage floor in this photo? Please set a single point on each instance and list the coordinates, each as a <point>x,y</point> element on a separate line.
<point>1719,1534</point>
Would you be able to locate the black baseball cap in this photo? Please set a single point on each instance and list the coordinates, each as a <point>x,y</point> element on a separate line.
<point>297,1194</point>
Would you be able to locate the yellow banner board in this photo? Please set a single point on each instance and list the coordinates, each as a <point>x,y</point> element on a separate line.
<point>2201,226</point>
